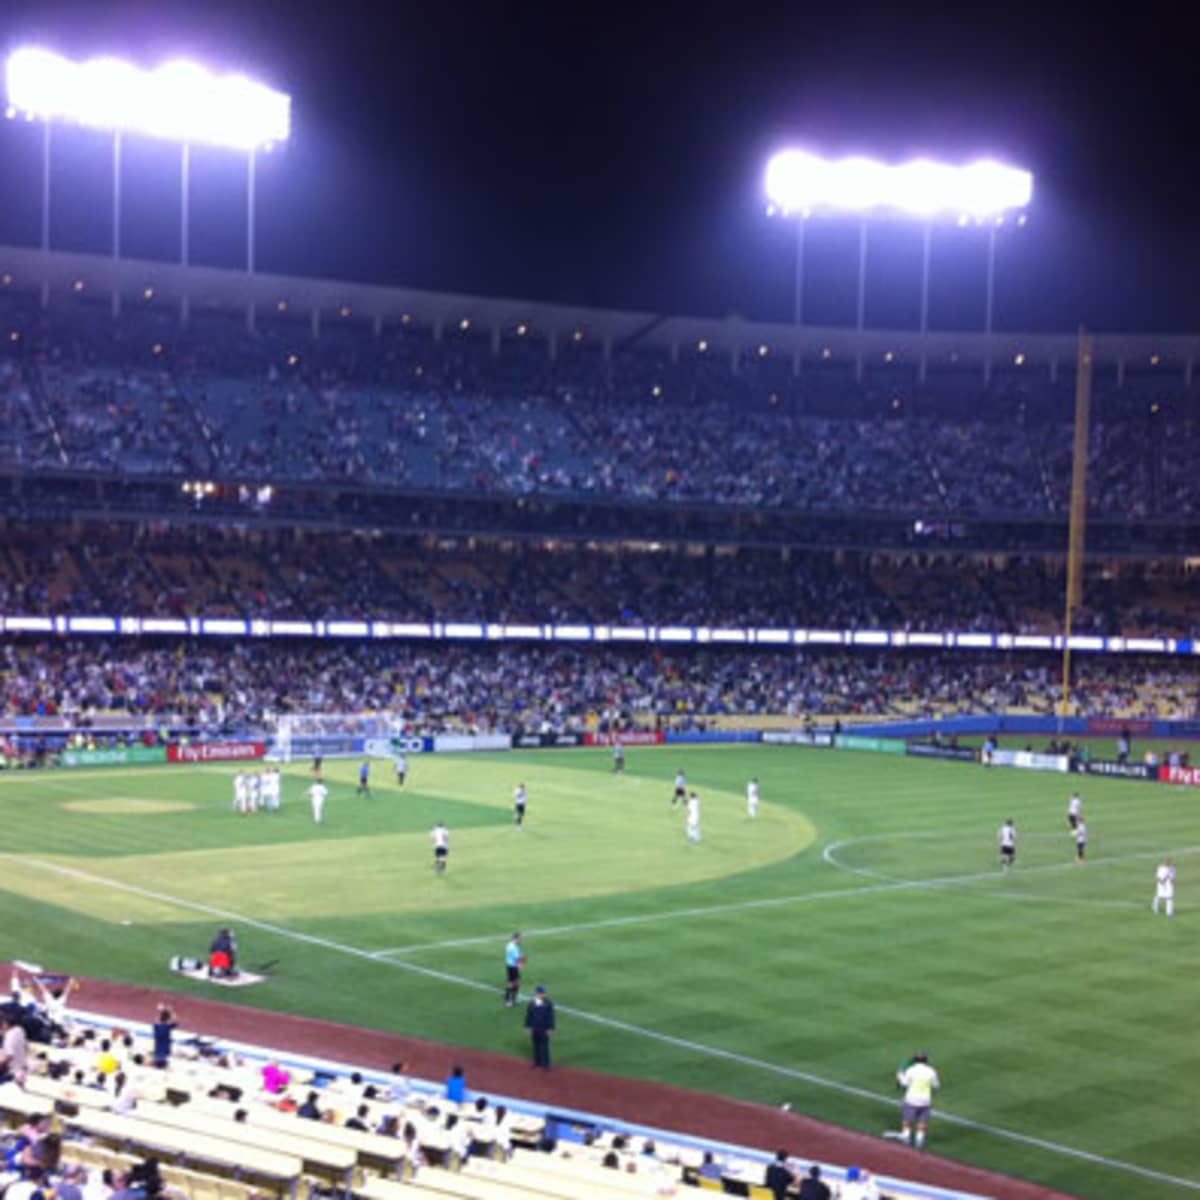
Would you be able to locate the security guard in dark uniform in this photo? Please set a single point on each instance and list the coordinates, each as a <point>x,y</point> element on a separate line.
<point>539,1020</point>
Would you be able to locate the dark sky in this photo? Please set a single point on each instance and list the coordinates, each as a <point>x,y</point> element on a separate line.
<point>613,154</point>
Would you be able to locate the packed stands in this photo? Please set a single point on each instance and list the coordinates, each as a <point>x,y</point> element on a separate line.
<point>246,685</point>
<point>409,411</point>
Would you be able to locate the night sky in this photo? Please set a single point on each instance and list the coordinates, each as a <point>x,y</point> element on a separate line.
<point>612,155</point>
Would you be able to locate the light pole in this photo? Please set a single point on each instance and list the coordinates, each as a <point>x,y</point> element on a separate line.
<point>177,101</point>
<point>801,185</point>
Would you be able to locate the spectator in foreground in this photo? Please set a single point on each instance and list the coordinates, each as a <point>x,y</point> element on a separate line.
<point>859,1185</point>
<point>813,1187</point>
<point>779,1177</point>
<point>164,1027</point>
<point>14,1051</point>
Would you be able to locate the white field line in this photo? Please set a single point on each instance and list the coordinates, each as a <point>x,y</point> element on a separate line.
<point>830,856</point>
<point>698,1048</point>
<point>880,883</point>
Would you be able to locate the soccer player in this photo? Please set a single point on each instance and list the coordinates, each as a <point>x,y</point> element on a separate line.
<point>239,792</point>
<point>618,757</point>
<point>1074,811</point>
<point>364,778</point>
<point>693,817</point>
<point>919,1081</point>
<point>318,794</point>
<point>752,798</point>
<point>1080,840</point>
<point>514,960</point>
<point>440,836</point>
<point>401,763</point>
<point>1164,887</point>
<point>272,789</point>
<point>520,799</point>
<point>1008,844</point>
<point>680,794</point>
<point>253,790</point>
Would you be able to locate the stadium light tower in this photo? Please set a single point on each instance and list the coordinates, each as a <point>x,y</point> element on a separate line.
<point>801,185</point>
<point>178,101</point>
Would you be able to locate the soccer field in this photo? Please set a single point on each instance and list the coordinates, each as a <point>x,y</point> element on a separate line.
<point>799,957</point>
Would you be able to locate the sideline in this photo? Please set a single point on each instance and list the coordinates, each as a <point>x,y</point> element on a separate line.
<point>626,1027</point>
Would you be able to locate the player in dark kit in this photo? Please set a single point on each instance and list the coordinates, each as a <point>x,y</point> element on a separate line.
<point>364,779</point>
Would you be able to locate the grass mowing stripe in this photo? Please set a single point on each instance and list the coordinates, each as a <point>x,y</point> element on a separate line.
<point>887,883</point>
<point>687,1044</point>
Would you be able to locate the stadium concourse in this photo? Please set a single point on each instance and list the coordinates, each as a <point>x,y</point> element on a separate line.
<point>743,1135</point>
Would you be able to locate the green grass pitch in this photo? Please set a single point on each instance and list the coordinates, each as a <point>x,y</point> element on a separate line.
<point>799,957</point>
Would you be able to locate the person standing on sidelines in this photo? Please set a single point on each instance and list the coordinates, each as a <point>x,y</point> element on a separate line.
<point>440,836</point>
<point>752,798</point>
<point>539,1020</point>
<point>520,800</point>
<point>318,793</point>
<point>514,960</point>
<point>919,1081</point>
<point>1164,887</point>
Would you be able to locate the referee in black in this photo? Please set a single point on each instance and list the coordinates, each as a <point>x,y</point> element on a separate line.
<point>539,1020</point>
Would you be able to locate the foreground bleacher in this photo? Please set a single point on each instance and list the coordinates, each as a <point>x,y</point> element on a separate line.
<point>220,1135</point>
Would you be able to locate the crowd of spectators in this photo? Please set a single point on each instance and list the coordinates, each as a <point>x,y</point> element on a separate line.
<point>164,569</point>
<point>410,412</point>
<point>249,684</point>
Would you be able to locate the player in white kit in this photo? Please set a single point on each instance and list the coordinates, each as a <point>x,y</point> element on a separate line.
<point>1164,888</point>
<point>254,791</point>
<point>272,789</point>
<point>693,817</point>
<point>318,793</point>
<point>1074,811</point>
<point>1008,844</point>
<point>752,798</point>
<point>239,792</point>
<point>440,836</point>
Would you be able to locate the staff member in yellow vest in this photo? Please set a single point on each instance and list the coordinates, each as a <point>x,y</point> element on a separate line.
<point>919,1081</point>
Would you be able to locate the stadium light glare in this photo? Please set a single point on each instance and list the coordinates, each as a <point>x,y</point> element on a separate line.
<point>178,101</point>
<point>798,182</point>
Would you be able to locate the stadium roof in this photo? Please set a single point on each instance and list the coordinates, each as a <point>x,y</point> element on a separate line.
<point>210,288</point>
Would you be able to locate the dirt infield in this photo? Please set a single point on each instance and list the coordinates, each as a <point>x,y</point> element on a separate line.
<point>635,1101</point>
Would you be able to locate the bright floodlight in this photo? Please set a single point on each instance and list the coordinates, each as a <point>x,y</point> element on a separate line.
<point>799,182</point>
<point>179,101</point>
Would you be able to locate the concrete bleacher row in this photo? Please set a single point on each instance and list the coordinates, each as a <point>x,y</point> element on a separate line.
<point>219,1135</point>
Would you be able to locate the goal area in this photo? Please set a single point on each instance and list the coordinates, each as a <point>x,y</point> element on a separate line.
<point>334,735</point>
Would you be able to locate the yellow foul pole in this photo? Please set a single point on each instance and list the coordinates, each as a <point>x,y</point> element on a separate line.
<point>1078,527</point>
